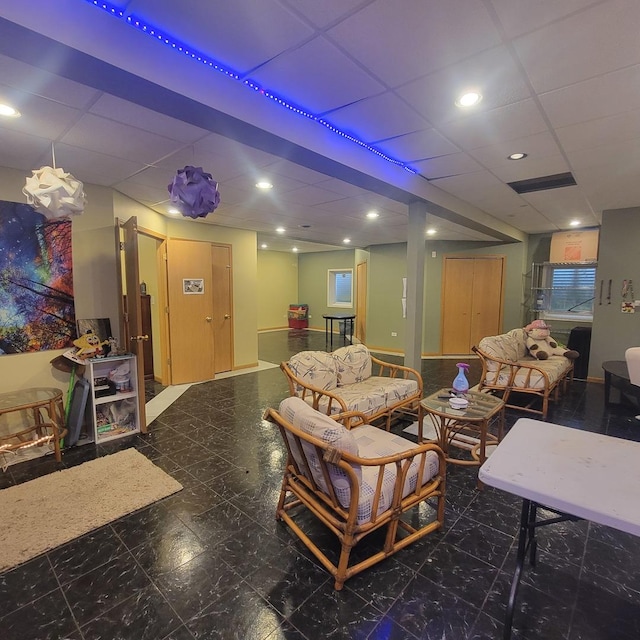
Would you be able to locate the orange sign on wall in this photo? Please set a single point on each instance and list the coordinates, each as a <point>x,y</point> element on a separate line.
<point>574,246</point>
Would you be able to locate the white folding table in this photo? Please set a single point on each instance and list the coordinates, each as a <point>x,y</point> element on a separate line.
<point>573,473</point>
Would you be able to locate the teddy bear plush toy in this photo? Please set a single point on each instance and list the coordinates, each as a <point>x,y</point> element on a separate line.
<point>541,345</point>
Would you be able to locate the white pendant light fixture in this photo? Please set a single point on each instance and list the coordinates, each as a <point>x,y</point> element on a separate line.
<point>54,193</point>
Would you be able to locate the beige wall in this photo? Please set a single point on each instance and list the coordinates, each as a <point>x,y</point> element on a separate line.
<point>94,281</point>
<point>95,275</point>
<point>277,288</point>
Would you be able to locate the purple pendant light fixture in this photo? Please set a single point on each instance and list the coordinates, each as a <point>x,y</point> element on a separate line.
<point>194,192</point>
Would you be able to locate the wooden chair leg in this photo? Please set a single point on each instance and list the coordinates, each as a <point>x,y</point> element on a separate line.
<point>343,562</point>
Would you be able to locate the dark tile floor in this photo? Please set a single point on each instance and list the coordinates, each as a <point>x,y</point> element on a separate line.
<point>212,562</point>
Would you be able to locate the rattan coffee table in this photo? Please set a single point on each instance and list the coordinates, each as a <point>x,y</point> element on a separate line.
<point>466,429</point>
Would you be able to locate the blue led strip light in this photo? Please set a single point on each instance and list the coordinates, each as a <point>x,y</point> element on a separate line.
<point>210,62</point>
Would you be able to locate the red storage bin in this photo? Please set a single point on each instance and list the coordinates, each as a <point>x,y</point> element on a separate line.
<point>298,316</point>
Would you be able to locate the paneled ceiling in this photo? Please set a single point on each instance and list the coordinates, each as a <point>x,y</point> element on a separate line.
<point>560,81</point>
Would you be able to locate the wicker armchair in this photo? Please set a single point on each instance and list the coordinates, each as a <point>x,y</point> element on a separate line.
<point>356,481</point>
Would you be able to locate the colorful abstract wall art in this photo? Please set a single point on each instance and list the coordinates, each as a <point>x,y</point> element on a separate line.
<point>37,311</point>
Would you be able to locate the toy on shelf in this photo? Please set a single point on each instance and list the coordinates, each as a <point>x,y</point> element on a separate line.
<point>89,345</point>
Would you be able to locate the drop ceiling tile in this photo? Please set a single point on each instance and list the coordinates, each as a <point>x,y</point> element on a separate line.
<point>607,95</point>
<point>493,73</point>
<point>241,34</point>
<point>19,75</point>
<point>518,18</point>
<point>538,145</point>
<point>134,115</point>
<point>144,194</point>
<point>325,12</point>
<point>418,145</point>
<point>623,157</point>
<point>356,207</point>
<point>221,168</point>
<point>48,118</point>
<point>451,165</point>
<point>289,169</point>
<point>378,117</point>
<point>118,140</point>
<point>309,196</point>
<point>343,188</point>
<point>603,131</point>
<point>472,184</point>
<point>373,34</point>
<point>531,167</point>
<point>20,150</point>
<point>555,56</point>
<point>505,123</point>
<point>561,205</point>
<point>610,190</point>
<point>303,75</point>
<point>94,167</point>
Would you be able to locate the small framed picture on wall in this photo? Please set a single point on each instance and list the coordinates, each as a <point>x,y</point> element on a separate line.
<point>193,286</point>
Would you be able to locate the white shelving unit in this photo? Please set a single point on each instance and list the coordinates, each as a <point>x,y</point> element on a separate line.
<point>114,403</point>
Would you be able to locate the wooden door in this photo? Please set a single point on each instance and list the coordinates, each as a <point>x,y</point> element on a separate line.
<point>457,292</point>
<point>134,337</point>
<point>190,296</point>
<point>222,307</point>
<point>486,304</point>
<point>472,301</point>
<point>361,302</point>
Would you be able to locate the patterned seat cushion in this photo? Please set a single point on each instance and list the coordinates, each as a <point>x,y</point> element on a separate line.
<point>375,443</point>
<point>353,364</point>
<point>555,367</point>
<point>307,419</point>
<point>503,347</point>
<point>373,394</point>
<point>316,368</point>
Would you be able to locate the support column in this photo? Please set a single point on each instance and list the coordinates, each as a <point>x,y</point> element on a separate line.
<point>415,284</point>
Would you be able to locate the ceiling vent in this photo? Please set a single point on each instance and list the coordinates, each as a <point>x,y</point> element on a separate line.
<point>543,183</point>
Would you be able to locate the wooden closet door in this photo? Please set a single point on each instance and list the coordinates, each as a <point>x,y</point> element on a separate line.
<point>457,292</point>
<point>486,303</point>
<point>472,295</point>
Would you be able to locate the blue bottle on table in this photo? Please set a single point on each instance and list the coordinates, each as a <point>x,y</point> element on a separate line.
<point>460,384</point>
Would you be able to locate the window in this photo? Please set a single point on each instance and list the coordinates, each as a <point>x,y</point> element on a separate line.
<point>567,291</point>
<point>340,288</point>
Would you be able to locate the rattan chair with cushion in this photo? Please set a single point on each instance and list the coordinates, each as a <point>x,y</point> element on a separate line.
<point>356,481</point>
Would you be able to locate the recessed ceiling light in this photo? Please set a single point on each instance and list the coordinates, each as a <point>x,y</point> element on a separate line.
<point>295,249</point>
<point>372,215</point>
<point>468,99</point>
<point>173,211</point>
<point>263,246</point>
<point>574,223</point>
<point>8,111</point>
<point>280,230</point>
<point>431,232</point>
<point>264,184</point>
<point>346,241</point>
<point>517,156</point>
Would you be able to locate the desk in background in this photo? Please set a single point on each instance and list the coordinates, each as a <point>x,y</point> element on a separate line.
<point>347,318</point>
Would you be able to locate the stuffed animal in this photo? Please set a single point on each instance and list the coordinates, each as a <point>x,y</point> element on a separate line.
<point>541,345</point>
